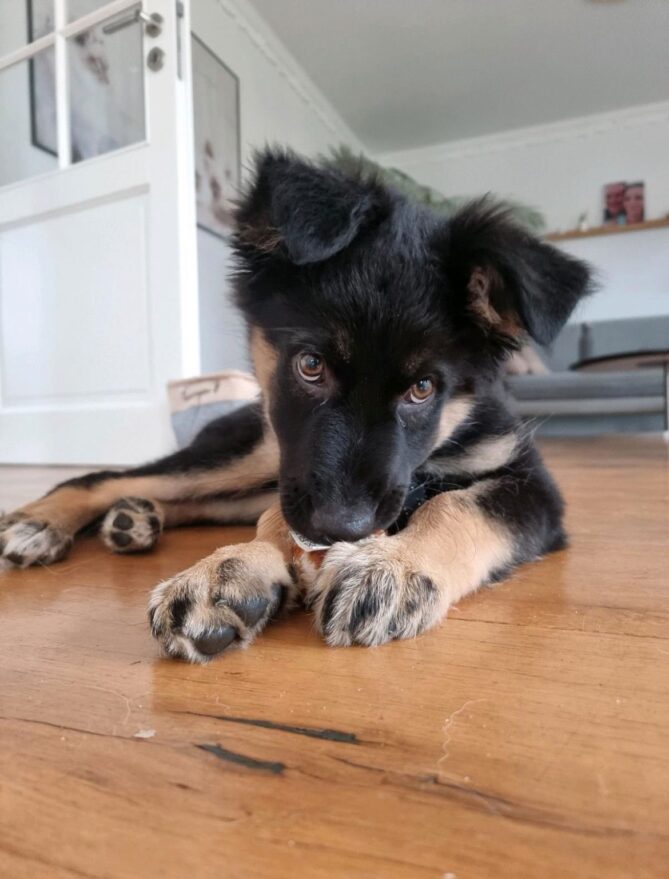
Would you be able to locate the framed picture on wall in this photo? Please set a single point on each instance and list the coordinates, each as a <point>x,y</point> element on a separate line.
<point>624,203</point>
<point>216,127</point>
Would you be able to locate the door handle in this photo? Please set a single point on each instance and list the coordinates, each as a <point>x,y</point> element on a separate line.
<point>153,24</point>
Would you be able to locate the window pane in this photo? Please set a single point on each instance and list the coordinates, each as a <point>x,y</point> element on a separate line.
<point>106,79</point>
<point>22,21</point>
<point>77,8</point>
<point>28,140</point>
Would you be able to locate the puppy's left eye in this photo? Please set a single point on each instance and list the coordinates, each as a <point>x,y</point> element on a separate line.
<point>420,391</point>
<point>310,366</point>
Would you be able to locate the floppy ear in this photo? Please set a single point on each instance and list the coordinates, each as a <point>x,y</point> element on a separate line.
<point>302,212</point>
<point>512,283</point>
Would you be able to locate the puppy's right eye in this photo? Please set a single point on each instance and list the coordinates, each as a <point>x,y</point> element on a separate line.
<point>310,367</point>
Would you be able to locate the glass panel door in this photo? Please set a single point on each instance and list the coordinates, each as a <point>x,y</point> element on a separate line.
<point>28,139</point>
<point>71,82</point>
<point>106,86</point>
<point>22,21</point>
<point>77,8</point>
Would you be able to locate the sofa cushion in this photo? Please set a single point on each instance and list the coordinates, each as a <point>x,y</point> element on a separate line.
<point>580,385</point>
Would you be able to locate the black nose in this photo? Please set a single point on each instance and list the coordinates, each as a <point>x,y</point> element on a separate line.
<point>343,523</point>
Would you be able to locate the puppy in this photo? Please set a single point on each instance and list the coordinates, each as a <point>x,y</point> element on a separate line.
<point>377,331</point>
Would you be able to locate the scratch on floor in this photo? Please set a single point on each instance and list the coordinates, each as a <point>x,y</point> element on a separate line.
<point>313,732</point>
<point>276,768</point>
<point>448,723</point>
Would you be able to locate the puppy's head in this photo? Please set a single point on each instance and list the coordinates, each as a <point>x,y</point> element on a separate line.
<point>373,323</point>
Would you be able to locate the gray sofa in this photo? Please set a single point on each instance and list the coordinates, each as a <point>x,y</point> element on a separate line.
<point>565,402</point>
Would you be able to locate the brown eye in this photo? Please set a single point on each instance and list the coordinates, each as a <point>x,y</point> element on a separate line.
<point>421,391</point>
<point>310,366</point>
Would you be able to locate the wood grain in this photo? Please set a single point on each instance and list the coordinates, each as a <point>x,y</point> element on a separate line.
<point>527,736</point>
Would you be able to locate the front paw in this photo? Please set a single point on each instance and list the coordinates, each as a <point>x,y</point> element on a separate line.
<point>368,593</point>
<point>223,601</point>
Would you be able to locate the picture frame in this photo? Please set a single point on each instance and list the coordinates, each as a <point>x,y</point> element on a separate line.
<point>624,203</point>
<point>217,139</point>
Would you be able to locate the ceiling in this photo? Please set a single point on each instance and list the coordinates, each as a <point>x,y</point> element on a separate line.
<point>408,73</point>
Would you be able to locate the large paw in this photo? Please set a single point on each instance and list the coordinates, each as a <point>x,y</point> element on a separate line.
<point>133,524</point>
<point>25,541</point>
<point>367,593</point>
<point>223,601</point>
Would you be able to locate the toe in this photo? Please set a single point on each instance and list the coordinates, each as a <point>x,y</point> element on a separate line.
<point>215,641</point>
<point>251,610</point>
<point>120,539</point>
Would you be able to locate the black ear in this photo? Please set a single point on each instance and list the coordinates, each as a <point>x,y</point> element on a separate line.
<point>303,212</point>
<point>512,283</point>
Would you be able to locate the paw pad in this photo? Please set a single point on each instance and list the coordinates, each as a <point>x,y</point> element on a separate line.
<point>132,525</point>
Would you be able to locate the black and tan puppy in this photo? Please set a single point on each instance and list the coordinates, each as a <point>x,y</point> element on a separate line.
<point>377,331</point>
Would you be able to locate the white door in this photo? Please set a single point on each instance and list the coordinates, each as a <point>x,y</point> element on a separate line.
<point>98,283</point>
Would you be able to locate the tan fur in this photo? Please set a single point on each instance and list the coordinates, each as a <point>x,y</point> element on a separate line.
<point>260,235</point>
<point>272,528</point>
<point>452,541</point>
<point>480,286</point>
<point>264,358</point>
<point>449,545</point>
<point>67,508</point>
<point>454,413</point>
<point>240,510</point>
<point>489,454</point>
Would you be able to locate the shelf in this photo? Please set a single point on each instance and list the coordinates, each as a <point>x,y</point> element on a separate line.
<point>613,229</point>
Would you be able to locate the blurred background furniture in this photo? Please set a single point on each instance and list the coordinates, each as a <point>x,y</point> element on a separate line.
<point>583,395</point>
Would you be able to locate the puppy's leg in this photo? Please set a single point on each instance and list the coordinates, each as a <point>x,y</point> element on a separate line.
<point>226,599</point>
<point>231,463</point>
<point>396,587</point>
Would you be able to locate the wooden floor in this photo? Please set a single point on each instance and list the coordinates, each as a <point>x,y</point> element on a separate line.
<point>527,737</point>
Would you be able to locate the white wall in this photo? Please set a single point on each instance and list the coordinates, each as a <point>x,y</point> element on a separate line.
<point>560,168</point>
<point>278,104</point>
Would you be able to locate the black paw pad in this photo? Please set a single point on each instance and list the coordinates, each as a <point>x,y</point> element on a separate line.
<point>15,558</point>
<point>215,641</point>
<point>250,611</point>
<point>279,596</point>
<point>120,538</point>
<point>123,521</point>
